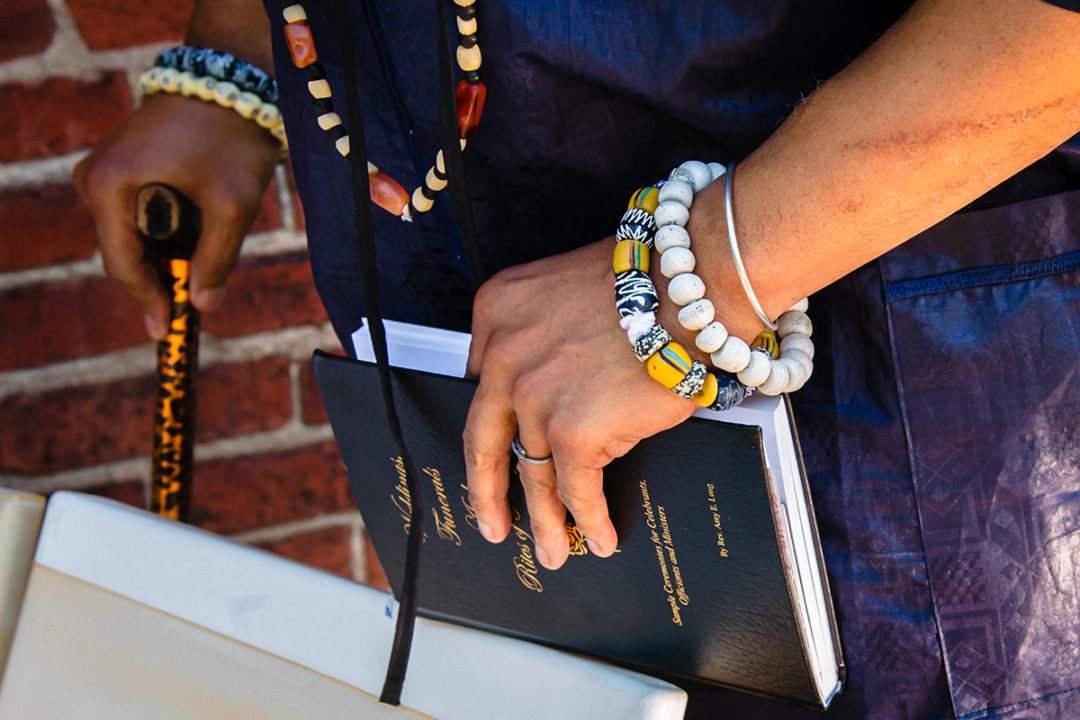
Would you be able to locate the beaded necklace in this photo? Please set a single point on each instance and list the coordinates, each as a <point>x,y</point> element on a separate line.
<point>386,192</point>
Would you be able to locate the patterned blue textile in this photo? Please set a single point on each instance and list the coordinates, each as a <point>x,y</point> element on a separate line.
<point>940,428</point>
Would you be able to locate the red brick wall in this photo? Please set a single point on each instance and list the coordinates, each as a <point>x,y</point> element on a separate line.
<point>76,368</point>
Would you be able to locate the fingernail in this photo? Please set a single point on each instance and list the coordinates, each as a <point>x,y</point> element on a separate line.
<point>153,329</point>
<point>596,548</point>
<point>542,556</point>
<point>210,298</point>
<point>485,530</point>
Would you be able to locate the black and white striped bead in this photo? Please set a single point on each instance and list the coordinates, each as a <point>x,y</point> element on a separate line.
<point>636,224</point>
<point>635,293</point>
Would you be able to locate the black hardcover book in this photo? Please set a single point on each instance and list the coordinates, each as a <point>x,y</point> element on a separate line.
<point>705,586</point>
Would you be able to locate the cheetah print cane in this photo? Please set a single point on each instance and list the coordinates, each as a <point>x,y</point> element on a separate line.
<point>168,224</point>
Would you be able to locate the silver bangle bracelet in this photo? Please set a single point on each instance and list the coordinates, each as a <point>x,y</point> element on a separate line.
<point>736,258</point>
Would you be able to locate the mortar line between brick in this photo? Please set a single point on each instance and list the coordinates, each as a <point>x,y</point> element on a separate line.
<point>288,437</point>
<point>295,343</point>
<point>68,55</point>
<point>65,22</point>
<point>282,439</point>
<point>76,270</point>
<point>296,394</point>
<point>39,171</point>
<point>81,478</point>
<point>264,244</point>
<point>274,242</point>
<point>286,206</point>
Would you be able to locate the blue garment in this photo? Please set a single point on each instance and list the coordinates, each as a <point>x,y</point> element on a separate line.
<point>940,428</point>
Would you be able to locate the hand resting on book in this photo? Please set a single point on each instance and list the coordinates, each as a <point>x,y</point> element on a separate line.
<point>555,368</point>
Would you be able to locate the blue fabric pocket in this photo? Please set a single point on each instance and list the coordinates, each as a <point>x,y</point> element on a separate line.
<point>984,317</point>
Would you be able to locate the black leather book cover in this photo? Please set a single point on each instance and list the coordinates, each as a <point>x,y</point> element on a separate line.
<point>697,588</point>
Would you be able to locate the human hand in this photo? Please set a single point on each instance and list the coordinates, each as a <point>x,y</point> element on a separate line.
<point>220,160</point>
<point>556,369</point>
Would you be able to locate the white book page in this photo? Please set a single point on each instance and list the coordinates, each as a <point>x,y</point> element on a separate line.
<point>417,347</point>
<point>815,613</point>
<point>770,414</point>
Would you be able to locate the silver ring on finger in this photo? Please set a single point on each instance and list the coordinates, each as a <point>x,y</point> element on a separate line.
<point>522,455</point>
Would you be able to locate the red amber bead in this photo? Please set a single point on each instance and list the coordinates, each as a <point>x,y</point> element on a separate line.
<point>470,103</point>
<point>387,193</point>
<point>301,44</point>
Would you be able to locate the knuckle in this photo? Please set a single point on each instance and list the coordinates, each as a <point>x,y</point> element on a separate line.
<point>483,501</point>
<point>479,459</point>
<point>579,498</point>
<point>499,357</point>
<point>101,176</point>
<point>526,394</point>
<point>233,201</point>
<point>122,264</point>
<point>229,203</point>
<point>487,299</point>
<point>537,489</point>
<point>217,269</point>
<point>567,436</point>
<point>549,529</point>
<point>484,296</point>
<point>468,436</point>
<point>79,173</point>
<point>489,296</point>
<point>617,448</point>
<point>547,526</point>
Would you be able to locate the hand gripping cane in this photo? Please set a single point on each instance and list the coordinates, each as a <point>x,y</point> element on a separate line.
<point>168,224</point>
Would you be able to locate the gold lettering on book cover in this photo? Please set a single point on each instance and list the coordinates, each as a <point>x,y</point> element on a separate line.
<point>577,540</point>
<point>666,558</point>
<point>528,572</point>
<point>524,562</point>
<point>650,520</point>
<point>676,616</point>
<point>679,589</point>
<point>400,496</point>
<point>579,547</point>
<point>715,512</point>
<point>445,526</point>
<point>470,512</point>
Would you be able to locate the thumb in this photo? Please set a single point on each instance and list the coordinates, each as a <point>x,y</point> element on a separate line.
<point>122,253</point>
<point>214,258</point>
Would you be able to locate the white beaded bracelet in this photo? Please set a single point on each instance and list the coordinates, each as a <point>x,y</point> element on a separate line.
<point>677,261</point>
<point>781,357</point>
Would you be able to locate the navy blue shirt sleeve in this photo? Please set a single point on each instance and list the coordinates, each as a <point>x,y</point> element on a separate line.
<point>1073,5</point>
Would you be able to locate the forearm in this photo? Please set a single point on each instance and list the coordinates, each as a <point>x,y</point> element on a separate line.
<point>958,96</point>
<point>239,27</point>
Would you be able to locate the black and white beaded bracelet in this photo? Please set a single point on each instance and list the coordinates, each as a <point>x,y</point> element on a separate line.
<point>223,67</point>
<point>636,301</point>
<point>656,216</point>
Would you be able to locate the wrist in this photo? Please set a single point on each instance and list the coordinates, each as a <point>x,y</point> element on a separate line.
<point>774,277</point>
<point>240,27</point>
<point>707,227</point>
